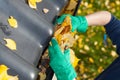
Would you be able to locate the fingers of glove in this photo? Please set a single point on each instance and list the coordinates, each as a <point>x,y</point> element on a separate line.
<point>61,18</point>
<point>67,54</point>
<point>55,45</point>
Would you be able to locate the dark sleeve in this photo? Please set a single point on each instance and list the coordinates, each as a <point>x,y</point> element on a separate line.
<point>113,31</point>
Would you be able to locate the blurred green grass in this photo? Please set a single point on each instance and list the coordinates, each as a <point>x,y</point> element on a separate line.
<point>94,55</point>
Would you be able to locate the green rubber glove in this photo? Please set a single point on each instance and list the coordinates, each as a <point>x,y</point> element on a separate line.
<point>79,23</point>
<point>60,62</point>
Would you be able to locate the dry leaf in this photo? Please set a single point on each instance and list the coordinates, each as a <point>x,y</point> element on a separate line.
<point>32,4</point>
<point>42,76</point>
<point>63,28</point>
<point>45,10</point>
<point>74,60</point>
<point>12,22</point>
<point>72,5</point>
<point>11,44</point>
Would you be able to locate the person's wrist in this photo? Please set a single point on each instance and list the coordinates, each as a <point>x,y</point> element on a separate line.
<point>66,73</point>
<point>83,26</point>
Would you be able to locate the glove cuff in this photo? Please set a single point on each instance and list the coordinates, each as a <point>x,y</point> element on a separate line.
<point>67,73</point>
<point>84,24</point>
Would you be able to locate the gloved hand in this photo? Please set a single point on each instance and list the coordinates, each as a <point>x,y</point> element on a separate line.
<point>79,23</point>
<point>60,62</point>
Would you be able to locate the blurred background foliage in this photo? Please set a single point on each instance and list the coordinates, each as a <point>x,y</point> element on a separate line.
<point>93,48</point>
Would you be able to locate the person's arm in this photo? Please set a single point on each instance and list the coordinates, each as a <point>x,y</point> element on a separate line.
<point>111,24</point>
<point>81,23</point>
<point>98,18</point>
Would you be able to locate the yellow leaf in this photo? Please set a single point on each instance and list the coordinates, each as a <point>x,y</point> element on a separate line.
<point>113,53</point>
<point>65,27</point>
<point>100,69</point>
<point>42,76</point>
<point>3,68</point>
<point>11,44</point>
<point>3,72</point>
<point>86,47</point>
<point>13,77</point>
<point>4,75</point>
<point>38,1</point>
<point>74,60</point>
<point>82,68</point>
<point>62,32</point>
<point>72,4</point>
<point>12,22</point>
<point>32,4</point>
<point>91,60</point>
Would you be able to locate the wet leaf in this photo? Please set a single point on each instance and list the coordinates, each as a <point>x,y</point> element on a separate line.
<point>11,44</point>
<point>12,22</point>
